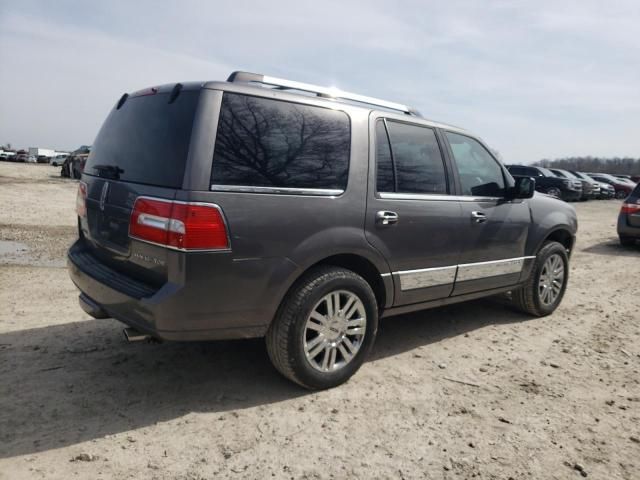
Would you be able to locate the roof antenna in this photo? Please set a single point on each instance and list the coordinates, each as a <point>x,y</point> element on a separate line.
<point>175,92</point>
<point>123,99</point>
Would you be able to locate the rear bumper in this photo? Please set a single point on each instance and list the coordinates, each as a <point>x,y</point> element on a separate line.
<point>626,230</point>
<point>167,313</point>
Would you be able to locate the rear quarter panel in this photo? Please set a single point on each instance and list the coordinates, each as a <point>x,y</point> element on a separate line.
<point>274,237</point>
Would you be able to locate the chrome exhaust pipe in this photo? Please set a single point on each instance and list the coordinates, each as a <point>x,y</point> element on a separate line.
<point>133,335</point>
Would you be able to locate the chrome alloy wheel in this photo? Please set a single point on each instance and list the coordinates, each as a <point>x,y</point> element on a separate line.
<point>551,279</point>
<point>334,331</point>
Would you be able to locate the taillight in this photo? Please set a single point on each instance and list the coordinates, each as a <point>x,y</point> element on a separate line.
<point>81,200</point>
<point>180,225</point>
<point>630,208</point>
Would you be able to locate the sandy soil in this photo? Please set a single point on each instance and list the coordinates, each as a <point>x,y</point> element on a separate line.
<point>551,396</point>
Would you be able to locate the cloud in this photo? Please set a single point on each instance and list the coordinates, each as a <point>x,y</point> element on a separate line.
<point>536,80</point>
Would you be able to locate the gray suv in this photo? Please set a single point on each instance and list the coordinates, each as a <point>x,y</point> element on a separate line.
<point>265,207</point>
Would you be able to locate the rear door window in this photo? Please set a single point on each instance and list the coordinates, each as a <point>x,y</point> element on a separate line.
<point>146,140</point>
<point>269,143</point>
<point>413,164</point>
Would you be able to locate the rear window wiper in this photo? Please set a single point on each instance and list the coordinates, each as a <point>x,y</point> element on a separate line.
<point>112,171</point>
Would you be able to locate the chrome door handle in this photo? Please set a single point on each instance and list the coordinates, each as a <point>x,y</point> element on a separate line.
<point>479,217</point>
<point>384,217</point>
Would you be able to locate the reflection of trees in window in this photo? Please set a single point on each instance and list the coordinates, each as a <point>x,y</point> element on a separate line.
<point>386,181</point>
<point>418,162</point>
<point>264,142</point>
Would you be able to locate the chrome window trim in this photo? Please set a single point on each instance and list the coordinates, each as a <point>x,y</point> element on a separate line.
<point>435,197</point>
<point>322,192</point>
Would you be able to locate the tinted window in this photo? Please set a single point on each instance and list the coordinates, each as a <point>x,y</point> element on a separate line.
<point>269,143</point>
<point>385,175</point>
<point>479,172</point>
<point>546,172</point>
<point>419,167</point>
<point>147,139</point>
<point>520,171</point>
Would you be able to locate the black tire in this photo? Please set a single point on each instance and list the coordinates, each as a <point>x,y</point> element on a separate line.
<point>554,192</point>
<point>286,336</point>
<point>527,298</point>
<point>627,241</point>
<point>620,194</point>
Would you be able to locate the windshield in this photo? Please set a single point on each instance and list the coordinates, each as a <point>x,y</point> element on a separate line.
<point>146,140</point>
<point>546,172</point>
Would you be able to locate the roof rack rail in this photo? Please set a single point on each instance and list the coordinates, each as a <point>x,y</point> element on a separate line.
<point>325,92</point>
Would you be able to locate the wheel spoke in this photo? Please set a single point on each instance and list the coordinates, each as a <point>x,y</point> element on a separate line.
<point>355,326</point>
<point>352,310</point>
<point>325,359</point>
<point>345,354</point>
<point>332,359</point>
<point>329,301</point>
<point>348,305</point>
<point>315,346</point>
<point>336,302</point>
<point>352,348</point>
<point>322,319</point>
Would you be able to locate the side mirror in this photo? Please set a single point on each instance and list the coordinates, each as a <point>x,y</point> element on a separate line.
<point>524,188</point>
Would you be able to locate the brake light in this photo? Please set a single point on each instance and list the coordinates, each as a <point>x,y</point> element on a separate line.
<point>630,208</point>
<point>81,200</point>
<point>179,225</point>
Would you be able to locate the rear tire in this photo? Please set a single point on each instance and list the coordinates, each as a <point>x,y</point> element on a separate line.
<point>627,241</point>
<point>306,340</point>
<point>542,293</point>
<point>620,194</point>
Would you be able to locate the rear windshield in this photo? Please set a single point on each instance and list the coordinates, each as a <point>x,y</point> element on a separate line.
<point>146,140</point>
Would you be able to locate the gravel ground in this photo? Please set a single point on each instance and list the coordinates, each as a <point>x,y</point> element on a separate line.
<point>557,397</point>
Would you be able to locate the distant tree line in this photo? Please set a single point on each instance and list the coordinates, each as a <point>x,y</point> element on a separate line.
<point>615,165</point>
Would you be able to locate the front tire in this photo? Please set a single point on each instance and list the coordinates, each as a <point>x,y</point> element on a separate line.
<point>621,194</point>
<point>546,284</point>
<point>324,328</point>
<point>554,192</point>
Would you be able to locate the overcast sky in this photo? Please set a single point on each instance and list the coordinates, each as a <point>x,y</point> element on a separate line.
<point>535,79</point>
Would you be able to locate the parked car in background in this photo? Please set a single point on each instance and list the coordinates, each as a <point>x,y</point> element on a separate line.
<point>549,183</point>
<point>58,160</point>
<point>73,166</point>
<point>42,159</point>
<point>306,220</point>
<point>21,156</point>
<point>629,219</point>
<point>635,178</point>
<point>600,190</point>
<point>32,159</point>
<point>589,189</point>
<point>621,188</point>
<point>626,180</point>
<point>8,155</point>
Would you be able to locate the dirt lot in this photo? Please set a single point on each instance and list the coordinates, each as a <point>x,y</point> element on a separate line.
<point>552,395</point>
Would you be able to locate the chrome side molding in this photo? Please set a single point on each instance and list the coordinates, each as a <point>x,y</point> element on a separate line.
<point>438,276</point>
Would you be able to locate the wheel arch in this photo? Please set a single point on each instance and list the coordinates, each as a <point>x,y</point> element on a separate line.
<point>561,235</point>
